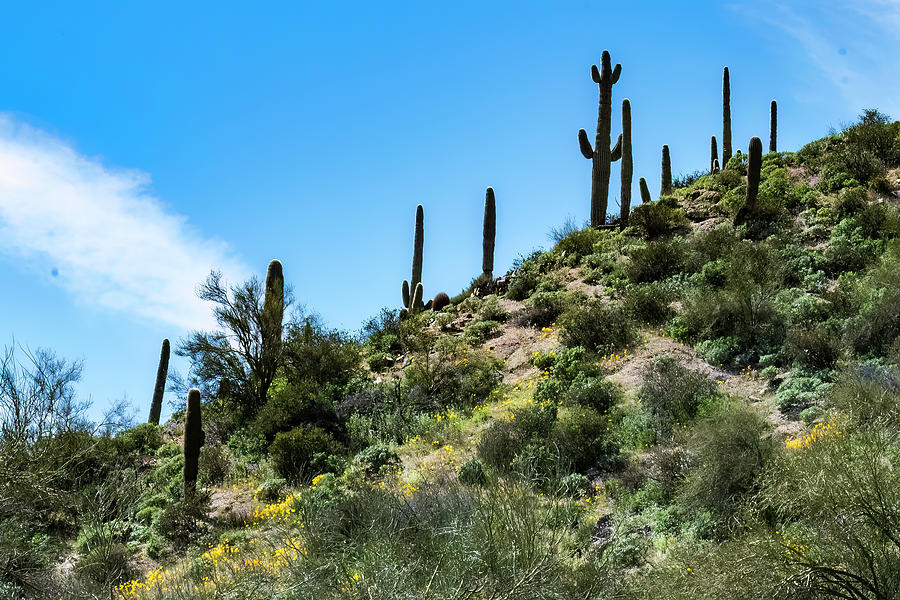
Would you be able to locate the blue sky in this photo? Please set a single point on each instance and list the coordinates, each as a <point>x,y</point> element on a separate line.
<point>142,144</point>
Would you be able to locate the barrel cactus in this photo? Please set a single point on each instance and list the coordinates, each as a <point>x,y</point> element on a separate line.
<point>601,155</point>
<point>160,387</point>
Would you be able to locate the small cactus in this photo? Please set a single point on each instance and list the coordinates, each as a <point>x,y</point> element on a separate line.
<point>645,191</point>
<point>726,117</point>
<point>753,168</point>
<point>600,155</point>
<point>713,154</point>
<point>160,387</point>
<point>716,168</point>
<point>627,169</point>
<point>666,184</point>
<point>194,438</point>
<point>488,234</point>
<point>773,127</point>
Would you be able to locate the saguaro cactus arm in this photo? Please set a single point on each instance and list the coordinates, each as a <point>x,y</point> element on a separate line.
<point>616,152</point>
<point>645,191</point>
<point>405,293</point>
<point>585,145</point>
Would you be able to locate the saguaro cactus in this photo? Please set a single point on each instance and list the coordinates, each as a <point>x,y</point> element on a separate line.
<point>600,155</point>
<point>773,127</point>
<point>645,191</point>
<point>488,234</point>
<point>713,154</point>
<point>754,163</point>
<point>160,387</point>
<point>273,311</point>
<point>726,117</point>
<point>409,287</point>
<point>665,187</point>
<point>194,438</point>
<point>627,163</point>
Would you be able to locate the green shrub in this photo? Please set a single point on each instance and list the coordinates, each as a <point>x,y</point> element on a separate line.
<point>271,489</point>
<point>144,439</point>
<point>720,351</point>
<point>376,458</point>
<point>597,327</point>
<point>850,202</point>
<point>648,303</point>
<point>543,308</point>
<point>803,389</point>
<point>524,277</point>
<point>582,438</point>
<point>729,449</point>
<point>503,440</point>
<point>869,396</point>
<point>813,348</point>
<point>477,332</point>
<point>655,219</point>
<point>455,375</point>
<point>656,260</point>
<point>292,404</point>
<point>672,393</point>
<point>592,392</point>
<point>577,244</point>
<point>185,522</point>
<point>490,309</point>
<point>472,473</point>
<point>302,452</point>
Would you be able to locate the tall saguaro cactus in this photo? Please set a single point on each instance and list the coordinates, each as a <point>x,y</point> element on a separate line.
<point>645,191</point>
<point>773,127</point>
<point>754,163</point>
<point>627,163</point>
<point>665,187</point>
<point>601,155</point>
<point>713,154</point>
<point>726,118</point>
<point>409,287</point>
<point>160,387</point>
<point>488,234</point>
<point>194,438</point>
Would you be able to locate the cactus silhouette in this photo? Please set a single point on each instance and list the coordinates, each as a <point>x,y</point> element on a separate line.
<point>488,234</point>
<point>440,301</point>
<point>754,162</point>
<point>665,187</point>
<point>713,154</point>
<point>773,127</point>
<point>409,287</point>
<point>160,387</point>
<point>716,166</point>
<point>627,164</point>
<point>416,300</point>
<point>272,313</point>
<point>600,155</point>
<point>645,191</point>
<point>726,117</point>
<point>194,438</point>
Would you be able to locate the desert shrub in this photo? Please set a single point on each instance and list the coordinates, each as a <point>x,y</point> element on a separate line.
<point>472,473</point>
<point>292,404</point>
<point>685,179</point>
<point>720,351</point>
<point>597,327</point>
<point>184,522</point>
<point>102,554</point>
<point>595,393</point>
<point>804,388</point>
<point>672,393</point>
<point>814,348</point>
<point>543,308</point>
<point>503,440</point>
<point>577,244</point>
<point>478,331</point>
<point>311,352</point>
<point>869,396</point>
<point>524,276</point>
<point>655,219</point>
<point>215,463</point>
<point>382,338</point>
<point>582,438</point>
<point>656,260</point>
<point>144,439</point>
<point>849,202</point>
<point>877,324</point>
<point>874,132</point>
<point>377,457</point>
<point>648,303</point>
<point>271,489</point>
<point>729,449</point>
<point>490,309</point>
<point>454,376</point>
<point>302,452</point>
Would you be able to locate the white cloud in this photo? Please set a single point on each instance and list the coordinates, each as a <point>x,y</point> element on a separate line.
<point>105,239</point>
<point>853,43</point>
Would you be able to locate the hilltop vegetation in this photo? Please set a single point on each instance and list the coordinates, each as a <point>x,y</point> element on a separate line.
<point>703,402</point>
